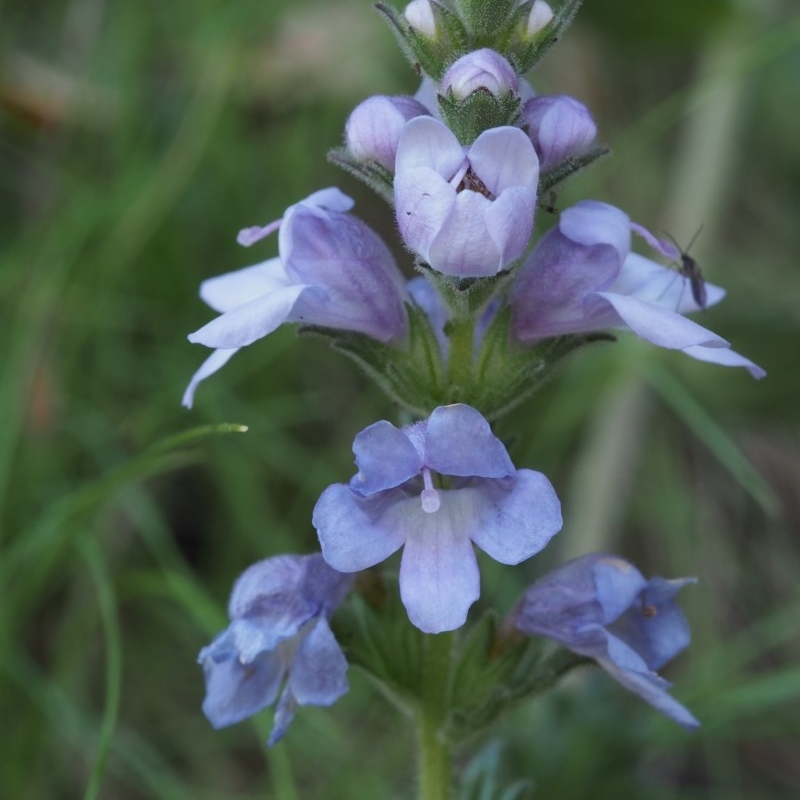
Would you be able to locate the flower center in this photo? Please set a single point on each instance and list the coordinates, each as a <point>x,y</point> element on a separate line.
<point>429,496</point>
<point>470,182</point>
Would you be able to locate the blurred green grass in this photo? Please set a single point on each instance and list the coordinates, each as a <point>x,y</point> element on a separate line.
<point>135,140</point>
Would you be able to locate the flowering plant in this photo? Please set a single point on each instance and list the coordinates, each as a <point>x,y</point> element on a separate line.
<point>494,310</point>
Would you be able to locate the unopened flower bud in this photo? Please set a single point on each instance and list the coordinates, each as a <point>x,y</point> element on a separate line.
<point>481,69</point>
<point>559,127</point>
<point>539,18</point>
<point>374,127</point>
<point>419,16</point>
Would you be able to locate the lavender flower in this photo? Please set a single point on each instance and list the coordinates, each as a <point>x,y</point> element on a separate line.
<point>278,636</point>
<point>601,607</point>
<point>559,127</point>
<point>467,212</point>
<point>483,70</point>
<point>393,502</point>
<point>374,127</point>
<point>581,276</point>
<point>332,270</point>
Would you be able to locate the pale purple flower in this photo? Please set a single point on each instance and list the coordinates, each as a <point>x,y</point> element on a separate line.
<point>481,69</point>
<point>581,276</point>
<point>559,127</point>
<point>601,607</point>
<point>374,127</point>
<point>435,488</point>
<point>278,643</point>
<point>332,270</point>
<point>466,212</point>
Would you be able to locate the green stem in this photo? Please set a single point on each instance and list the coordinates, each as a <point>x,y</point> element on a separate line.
<point>461,333</point>
<point>434,762</point>
<point>434,749</point>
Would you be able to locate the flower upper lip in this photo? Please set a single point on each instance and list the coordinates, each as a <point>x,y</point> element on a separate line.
<point>465,211</point>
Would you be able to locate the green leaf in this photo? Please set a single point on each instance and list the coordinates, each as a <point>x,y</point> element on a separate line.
<point>675,394</point>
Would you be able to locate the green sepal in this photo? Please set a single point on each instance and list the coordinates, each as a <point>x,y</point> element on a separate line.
<point>487,682</point>
<point>482,685</point>
<point>568,167</point>
<point>431,56</point>
<point>465,297</point>
<point>412,376</point>
<point>380,640</point>
<point>479,681</point>
<point>484,18</point>
<point>529,51</point>
<point>373,174</point>
<point>507,373</point>
<point>478,112</point>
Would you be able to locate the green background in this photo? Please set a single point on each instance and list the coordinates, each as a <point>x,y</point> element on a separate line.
<point>136,138</point>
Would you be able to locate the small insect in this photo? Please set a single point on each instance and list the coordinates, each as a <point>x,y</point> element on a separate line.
<point>690,269</point>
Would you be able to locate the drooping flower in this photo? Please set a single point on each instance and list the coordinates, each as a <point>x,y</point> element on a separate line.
<point>581,276</point>
<point>373,128</point>
<point>559,127</point>
<point>332,270</point>
<point>435,488</point>
<point>467,212</point>
<point>278,643</point>
<point>602,607</point>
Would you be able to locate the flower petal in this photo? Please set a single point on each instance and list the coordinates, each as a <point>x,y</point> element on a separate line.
<point>646,280</point>
<point>355,532</point>
<point>216,361</point>
<point>318,675</point>
<point>459,441</point>
<point>547,295</point>
<point>652,690</point>
<point>463,245</point>
<point>235,691</point>
<point>423,201</point>
<point>651,322</point>
<point>509,221</point>
<point>655,627</point>
<point>591,222</point>
<point>251,321</point>
<point>617,583</point>
<point>725,358</point>
<point>385,458</point>
<point>332,199</point>
<point>234,289</point>
<point>439,577</point>
<point>284,714</point>
<point>426,142</point>
<point>277,576</point>
<point>571,603</point>
<point>359,285</point>
<point>504,157</point>
<point>516,517</point>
